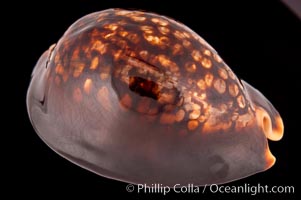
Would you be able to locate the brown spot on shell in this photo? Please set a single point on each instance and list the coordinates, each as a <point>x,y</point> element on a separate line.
<point>206,62</point>
<point>88,86</point>
<point>219,85</point>
<point>196,55</point>
<point>208,79</point>
<point>180,115</point>
<point>164,30</point>
<point>223,73</point>
<point>192,125</point>
<point>233,90</point>
<point>241,101</point>
<point>94,63</point>
<point>159,21</point>
<point>201,84</point>
<point>207,52</point>
<point>190,67</point>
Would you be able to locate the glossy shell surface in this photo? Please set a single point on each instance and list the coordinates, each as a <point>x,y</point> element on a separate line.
<point>141,98</point>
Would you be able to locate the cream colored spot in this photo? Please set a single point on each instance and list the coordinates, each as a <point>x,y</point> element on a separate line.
<point>104,76</point>
<point>207,52</point>
<point>208,79</point>
<point>217,58</point>
<point>206,63</point>
<point>166,98</point>
<point>241,101</point>
<point>233,90</point>
<point>133,37</point>
<point>192,125</point>
<point>164,41</point>
<point>194,114</point>
<point>107,36</point>
<point>77,95</point>
<point>180,115</point>
<point>187,35</point>
<point>186,43</point>
<point>179,35</point>
<point>201,96</point>
<point>138,18</point>
<point>123,33</point>
<point>111,27</point>
<point>94,63</point>
<point>223,73</point>
<point>177,49</point>
<point>147,29</point>
<point>88,85</point>
<point>155,40</point>
<point>99,46</point>
<point>219,85</point>
<point>122,12</point>
<point>78,69</point>
<point>159,21</point>
<point>190,67</point>
<point>201,84</point>
<point>163,30</point>
<point>196,55</point>
<point>166,62</point>
<point>144,54</point>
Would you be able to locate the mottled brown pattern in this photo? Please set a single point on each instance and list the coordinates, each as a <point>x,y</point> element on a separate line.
<point>141,98</point>
<point>126,46</point>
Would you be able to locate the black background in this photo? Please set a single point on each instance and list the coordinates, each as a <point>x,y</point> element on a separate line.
<point>259,40</point>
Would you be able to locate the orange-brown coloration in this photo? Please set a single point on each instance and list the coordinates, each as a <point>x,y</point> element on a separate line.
<point>208,79</point>
<point>201,84</point>
<point>233,90</point>
<point>99,46</point>
<point>88,86</point>
<point>196,55</point>
<point>207,52</point>
<point>94,63</point>
<point>223,73</point>
<point>194,114</point>
<point>164,30</point>
<point>159,21</point>
<point>206,63</point>
<point>126,86</point>
<point>190,67</point>
<point>180,115</point>
<point>177,49</point>
<point>241,101</point>
<point>79,67</point>
<point>192,125</point>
